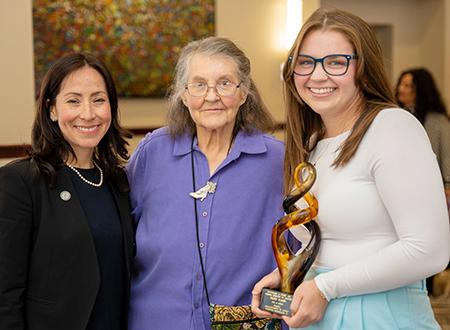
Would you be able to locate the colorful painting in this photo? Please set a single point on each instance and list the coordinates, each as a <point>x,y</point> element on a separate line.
<point>139,40</point>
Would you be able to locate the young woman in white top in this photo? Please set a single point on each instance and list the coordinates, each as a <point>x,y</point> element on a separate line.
<point>382,209</point>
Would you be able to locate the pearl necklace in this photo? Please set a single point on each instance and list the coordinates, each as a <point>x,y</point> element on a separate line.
<point>86,180</point>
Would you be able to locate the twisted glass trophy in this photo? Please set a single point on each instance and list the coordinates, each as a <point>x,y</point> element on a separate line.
<point>293,267</point>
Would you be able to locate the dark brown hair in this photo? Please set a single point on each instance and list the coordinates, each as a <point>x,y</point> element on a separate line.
<point>49,149</point>
<point>304,127</point>
<point>428,98</point>
<point>253,114</point>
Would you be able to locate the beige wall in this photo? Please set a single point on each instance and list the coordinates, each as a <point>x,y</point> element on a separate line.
<point>421,37</point>
<point>257,26</point>
<point>418,30</point>
<point>16,71</point>
<point>309,6</point>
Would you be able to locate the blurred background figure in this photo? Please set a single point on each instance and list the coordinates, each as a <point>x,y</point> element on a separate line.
<point>417,92</point>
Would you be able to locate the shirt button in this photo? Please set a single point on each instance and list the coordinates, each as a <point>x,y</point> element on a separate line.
<point>202,245</point>
<point>196,305</point>
<point>198,277</point>
<point>205,213</point>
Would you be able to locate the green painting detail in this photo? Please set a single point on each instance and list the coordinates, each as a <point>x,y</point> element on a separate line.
<point>139,40</point>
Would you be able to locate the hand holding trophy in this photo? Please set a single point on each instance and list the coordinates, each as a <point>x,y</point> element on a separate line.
<point>292,267</point>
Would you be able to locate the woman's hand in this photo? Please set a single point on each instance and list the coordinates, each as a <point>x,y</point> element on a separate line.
<point>271,281</point>
<point>307,307</point>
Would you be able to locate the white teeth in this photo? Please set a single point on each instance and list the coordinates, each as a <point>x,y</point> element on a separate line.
<point>86,129</point>
<point>322,90</point>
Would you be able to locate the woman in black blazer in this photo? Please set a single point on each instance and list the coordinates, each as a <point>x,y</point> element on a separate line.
<point>66,238</point>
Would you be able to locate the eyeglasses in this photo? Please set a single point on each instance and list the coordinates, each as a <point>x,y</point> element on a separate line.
<point>222,88</point>
<point>333,64</point>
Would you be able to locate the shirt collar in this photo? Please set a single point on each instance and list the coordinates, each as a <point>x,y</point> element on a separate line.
<point>182,145</point>
<point>244,143</point>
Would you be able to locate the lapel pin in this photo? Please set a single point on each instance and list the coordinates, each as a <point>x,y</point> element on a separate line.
<point>65,195</point>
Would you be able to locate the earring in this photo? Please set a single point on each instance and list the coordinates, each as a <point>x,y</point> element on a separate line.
<point>53,117</point>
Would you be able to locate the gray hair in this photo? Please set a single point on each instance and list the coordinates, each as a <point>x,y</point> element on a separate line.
<point>253,114</point>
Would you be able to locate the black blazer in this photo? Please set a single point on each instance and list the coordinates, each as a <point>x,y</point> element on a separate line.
<point>49,274</point>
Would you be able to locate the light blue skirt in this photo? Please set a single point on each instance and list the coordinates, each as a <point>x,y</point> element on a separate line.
<point>405,308</point>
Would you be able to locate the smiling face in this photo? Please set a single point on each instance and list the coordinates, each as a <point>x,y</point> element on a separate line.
<point>82,111</point>
<point>334,98</point>
<point>213,112</point>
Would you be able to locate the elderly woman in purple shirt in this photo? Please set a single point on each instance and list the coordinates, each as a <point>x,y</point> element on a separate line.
<point>209,183</point>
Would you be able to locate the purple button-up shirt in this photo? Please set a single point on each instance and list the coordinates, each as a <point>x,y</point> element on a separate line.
<point>235,224</point>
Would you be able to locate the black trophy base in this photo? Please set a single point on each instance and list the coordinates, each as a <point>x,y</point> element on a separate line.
<point>276,302</point>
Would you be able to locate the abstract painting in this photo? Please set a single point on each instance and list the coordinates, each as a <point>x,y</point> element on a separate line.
<point>139,40</point>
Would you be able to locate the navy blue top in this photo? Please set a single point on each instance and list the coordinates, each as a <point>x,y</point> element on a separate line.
<point>104,221</point>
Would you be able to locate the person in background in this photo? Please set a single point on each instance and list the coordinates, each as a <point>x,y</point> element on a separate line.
<point>66,238</point>
<point>382,207</point>
<point>209,184</point>
<point>416,91</point>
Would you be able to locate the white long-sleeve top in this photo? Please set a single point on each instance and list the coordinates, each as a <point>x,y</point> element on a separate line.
<point>383,215</point>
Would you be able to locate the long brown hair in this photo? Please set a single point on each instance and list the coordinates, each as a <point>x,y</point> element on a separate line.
<point>49,149</point>
<point>304,127</point>
<point>253,114</point>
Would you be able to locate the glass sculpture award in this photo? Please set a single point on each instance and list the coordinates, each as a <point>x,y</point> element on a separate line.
<point>294,266</point>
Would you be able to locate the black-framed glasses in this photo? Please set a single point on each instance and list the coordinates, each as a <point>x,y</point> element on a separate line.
<point>222,88</point>
<point>333,64</point>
